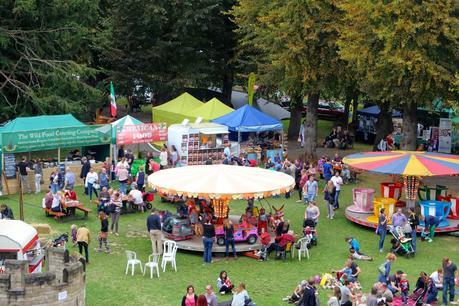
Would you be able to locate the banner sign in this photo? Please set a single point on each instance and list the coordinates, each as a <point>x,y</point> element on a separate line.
<point>47,139</point>
<point>141,133</point>
<point>444,139</point>
<point>10,166</point>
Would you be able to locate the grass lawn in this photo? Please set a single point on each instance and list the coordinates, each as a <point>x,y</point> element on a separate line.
<point>267,282</point>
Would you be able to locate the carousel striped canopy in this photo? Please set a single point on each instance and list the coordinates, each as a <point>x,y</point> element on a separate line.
<point>409,163</point>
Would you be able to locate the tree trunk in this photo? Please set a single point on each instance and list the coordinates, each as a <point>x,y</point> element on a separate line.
<point>227,88</point>
<point>310,126</point>
<point>347,105</point>
<point>296,108</point>
<point>384,125</point>
<point>409,126</point>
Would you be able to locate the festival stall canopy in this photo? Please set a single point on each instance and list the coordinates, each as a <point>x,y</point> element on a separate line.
<point>249,119</point>
<point>212,109</point>
<point>16,235</point>
<point>407,163</point>
<point>38,133</point>
<point>373,111</point>
<point>221,182</point>
<point>126,120</point>
<point>175,110</point>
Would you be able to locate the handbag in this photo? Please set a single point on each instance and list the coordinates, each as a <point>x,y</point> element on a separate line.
<point>382,269</point>
<point>96,186</point>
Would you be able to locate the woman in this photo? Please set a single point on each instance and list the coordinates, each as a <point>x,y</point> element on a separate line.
<point>208,239</point>
<point>54,180</point>
<point>381,230</point>
<point>335,299</point>
<point>163,158</point>
<point>224,284</point>
<point>38,175</point>
<point>303,180</point>
<point>190,298</point>
<point>202,301</point>
<point>104,179</point>
<point>241,297</point>
<point>312,212</point>
<point>140,178</point>
<point>174,156</point>
<point>91,180</point>
<point>329,197</point>
<point>103,235</point>
<point>310,189</point>
<point>228,228</point>
<point>123,176</point>
<point>413,219</point>
<point>115,211</point>
<point>384,269</point>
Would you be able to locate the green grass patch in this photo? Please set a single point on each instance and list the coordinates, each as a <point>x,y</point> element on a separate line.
<point>267,282</point>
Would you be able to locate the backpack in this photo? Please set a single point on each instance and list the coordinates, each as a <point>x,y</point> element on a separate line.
<point>382,269</point>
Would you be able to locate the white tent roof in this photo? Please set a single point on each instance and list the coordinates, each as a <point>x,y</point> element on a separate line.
<point>16,235</point>
<point>221,181</point>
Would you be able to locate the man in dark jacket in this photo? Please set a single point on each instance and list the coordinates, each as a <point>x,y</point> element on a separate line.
<point>84,171</point>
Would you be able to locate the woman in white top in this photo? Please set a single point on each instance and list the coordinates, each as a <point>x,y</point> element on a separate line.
<point>334,300</point>
<point>240,296</point>
<point>91,179</point>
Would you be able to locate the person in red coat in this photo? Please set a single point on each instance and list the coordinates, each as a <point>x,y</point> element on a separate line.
<point>282,241</point>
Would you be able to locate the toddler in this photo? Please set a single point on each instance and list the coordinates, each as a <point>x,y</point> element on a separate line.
<point>404,289</point>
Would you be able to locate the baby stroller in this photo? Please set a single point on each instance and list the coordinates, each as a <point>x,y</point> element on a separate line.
<point>401,245</point>
<point>309,230</point>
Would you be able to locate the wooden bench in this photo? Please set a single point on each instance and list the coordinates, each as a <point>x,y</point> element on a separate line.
<point>57,214</point>
<point>83,209</point>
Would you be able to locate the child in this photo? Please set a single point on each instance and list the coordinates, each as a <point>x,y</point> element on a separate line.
<point>353,244</point>
<point>74,229</point>
<point>308,232</point>
<point>355,255</point>
<point>140,178</point>
<point>404,288</point>
<point>103,232</point>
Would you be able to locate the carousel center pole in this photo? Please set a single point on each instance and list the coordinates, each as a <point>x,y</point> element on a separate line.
<point>411,184</point>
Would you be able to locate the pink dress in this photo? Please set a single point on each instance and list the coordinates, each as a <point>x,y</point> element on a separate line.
<point>189,301</point>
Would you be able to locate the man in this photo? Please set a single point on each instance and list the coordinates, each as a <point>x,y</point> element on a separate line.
<point>6,212</point>
<point>328,168</point>
<point>227,153</point>
<point>372,298</point>
<point>163,157</point>
<point>346,295</point>
<point>210,296</point>
<point>83,240</point>
<point>135,196</point>
<point>394,282</point>
<point>69,179</point>
<point>86,166</point>
<point>449,273</point>
<point>149,171</point>
<point>129,158</point>
<point>23,168</point>
<point>431,223</point>
<point>154,228</point>
<point>399,219</point>
<point>337,182</point>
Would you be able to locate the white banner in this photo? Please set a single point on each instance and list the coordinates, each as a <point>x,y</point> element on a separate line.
<point>444,139</point>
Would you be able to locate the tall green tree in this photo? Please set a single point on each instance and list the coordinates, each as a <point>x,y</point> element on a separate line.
<point>298,40</point>
<point>405,52</point>
<point>44,57</point>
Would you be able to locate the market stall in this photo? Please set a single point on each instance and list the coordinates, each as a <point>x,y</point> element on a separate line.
<point>212,109</point>
<point>49,134</point>
<point>19,240</point>
<point>258,135</point>
<point>176,110</point>
<point>198,142</point>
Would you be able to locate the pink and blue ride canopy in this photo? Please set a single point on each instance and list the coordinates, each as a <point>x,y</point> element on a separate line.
<point>409,163</point>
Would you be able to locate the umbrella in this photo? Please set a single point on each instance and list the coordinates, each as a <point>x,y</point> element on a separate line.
<point>221,182</point>
<point>410,164</point>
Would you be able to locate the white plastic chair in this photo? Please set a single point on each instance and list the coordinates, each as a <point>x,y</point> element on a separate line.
<point>153,264</point>
<point>170,250</point>
<point>132,261</point>
<point>303,251</point>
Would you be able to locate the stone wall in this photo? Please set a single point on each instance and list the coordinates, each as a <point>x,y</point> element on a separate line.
<point>63,283</point>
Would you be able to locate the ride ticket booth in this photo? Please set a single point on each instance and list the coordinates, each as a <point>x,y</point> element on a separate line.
<point>19,241</point>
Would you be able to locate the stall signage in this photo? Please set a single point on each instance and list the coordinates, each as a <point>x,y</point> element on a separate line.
<point>444,139</point>
<point>141,133</point>
<point>10,166</point>
<point>46,139</point>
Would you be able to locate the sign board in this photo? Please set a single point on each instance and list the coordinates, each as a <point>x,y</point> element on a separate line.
<point>61,296</point>
<point>250,87</point>
<point>445,132</point>
<point>141,133</point>
<point>47,139</point>
<point>10,166</point>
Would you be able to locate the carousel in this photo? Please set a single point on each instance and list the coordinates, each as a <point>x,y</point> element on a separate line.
<point>207,190</point>
<point>407,169</point>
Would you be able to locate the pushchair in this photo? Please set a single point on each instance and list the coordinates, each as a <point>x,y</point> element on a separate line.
<point>309,230</point>
<point>401,245</point>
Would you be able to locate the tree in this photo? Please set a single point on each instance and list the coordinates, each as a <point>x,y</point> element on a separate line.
<point>296,41</point>
<point>405,52</point>
<point>161,46</point>
<point>44,55</point>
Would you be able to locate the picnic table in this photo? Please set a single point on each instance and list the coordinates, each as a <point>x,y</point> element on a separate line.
<point>72,206</point>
